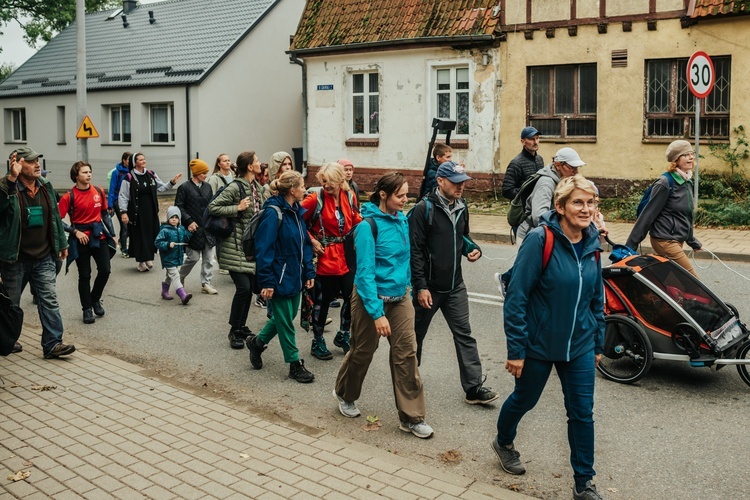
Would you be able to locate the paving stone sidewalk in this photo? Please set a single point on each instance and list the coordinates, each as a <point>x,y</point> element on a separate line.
<point>92,426</point>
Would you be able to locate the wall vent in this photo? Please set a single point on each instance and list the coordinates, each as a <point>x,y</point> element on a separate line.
<point>620,58</point>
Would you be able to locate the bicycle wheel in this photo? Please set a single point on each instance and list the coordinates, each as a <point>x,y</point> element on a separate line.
<point>744,353</point>
<point>627,350</point>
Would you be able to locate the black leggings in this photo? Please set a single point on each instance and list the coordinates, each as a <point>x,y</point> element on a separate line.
<point>88,294</point>
<point>326,289</point>
<point>243,296</point>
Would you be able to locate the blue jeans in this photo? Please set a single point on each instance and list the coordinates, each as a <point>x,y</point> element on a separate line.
<point>42,274</point>
<point>577,379</point>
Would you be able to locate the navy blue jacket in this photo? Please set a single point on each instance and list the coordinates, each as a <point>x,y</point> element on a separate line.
<point>558,314</point>
<point>114,184</point>
<point>283,254</point>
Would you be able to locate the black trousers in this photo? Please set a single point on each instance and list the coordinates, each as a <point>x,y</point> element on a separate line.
<point>86,292</point>
<point>243,296</point>
<point>326,289</point>
<point>123,237</point>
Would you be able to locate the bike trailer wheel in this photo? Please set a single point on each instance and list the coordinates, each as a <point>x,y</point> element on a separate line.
<point>744,353</point>
<point>627,350</point>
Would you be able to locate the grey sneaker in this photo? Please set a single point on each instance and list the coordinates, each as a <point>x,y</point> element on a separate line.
<point>420,429</point>
<point>510,459</point>
<point>588,493</point>
<point>347,409</point>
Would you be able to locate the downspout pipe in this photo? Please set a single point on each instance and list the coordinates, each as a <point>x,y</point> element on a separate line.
<point>187,127</point>
<point>296,60</point>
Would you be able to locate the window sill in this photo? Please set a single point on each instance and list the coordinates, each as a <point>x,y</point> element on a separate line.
<point>62,143</point>
<point>569,140</point>
<point>159,144</point>
<point>119,144</point>
<point>363,143</point>
<point>15,142</point>
<point>455,143</point>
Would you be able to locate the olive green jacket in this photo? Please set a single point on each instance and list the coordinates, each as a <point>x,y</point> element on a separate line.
<point>231,255</point>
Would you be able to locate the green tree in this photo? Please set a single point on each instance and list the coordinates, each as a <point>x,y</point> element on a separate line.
<point>42,19</point>
<point>6,70</point>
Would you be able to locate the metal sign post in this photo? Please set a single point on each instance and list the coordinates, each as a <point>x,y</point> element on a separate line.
<point>701,79</point>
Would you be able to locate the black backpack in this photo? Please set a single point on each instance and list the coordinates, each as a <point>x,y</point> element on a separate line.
<point>220,226</point>
<point>248,236</point>
<point>517,210</point>
<point>350,250</point>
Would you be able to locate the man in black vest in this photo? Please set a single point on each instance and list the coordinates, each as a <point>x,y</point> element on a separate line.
<point>527,162</point>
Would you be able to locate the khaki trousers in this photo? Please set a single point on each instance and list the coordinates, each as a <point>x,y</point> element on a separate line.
<point>672,250</point>
<point>407,384</point>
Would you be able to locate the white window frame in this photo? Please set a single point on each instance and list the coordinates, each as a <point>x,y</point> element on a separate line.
<point>120,108</point>
<point>170,122</point>
<point>365,94</point>
<point>451,66</point>
<point>16,115</point>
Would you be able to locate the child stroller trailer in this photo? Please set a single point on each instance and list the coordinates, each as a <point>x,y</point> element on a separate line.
<point>655,309</point>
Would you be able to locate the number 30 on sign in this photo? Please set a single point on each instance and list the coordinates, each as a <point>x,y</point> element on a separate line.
<point>700,74</point>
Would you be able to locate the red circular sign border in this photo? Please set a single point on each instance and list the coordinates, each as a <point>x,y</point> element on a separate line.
<point>713,75</point>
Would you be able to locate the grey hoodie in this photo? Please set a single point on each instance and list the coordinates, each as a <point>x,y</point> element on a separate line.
<point>540,201</point>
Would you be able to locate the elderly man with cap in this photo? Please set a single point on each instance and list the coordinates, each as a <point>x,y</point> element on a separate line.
<point>33,240</point>
<point>668,215</point>
<point>439,234</point>
<point>192,198</point>
<point>526,163</point>
<point>565,163</point>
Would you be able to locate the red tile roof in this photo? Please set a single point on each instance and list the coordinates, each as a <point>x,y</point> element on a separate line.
<point>706,8</point>
<point>331,23</point>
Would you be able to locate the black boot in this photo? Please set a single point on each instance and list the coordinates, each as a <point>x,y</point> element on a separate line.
<point>298,372</point>
<point>256,348</point>
<point>88,316</point>
<point>236,338</point>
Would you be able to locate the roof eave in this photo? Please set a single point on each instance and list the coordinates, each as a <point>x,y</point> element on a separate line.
<point>482,39</point>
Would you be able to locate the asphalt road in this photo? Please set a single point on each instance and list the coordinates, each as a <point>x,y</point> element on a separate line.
<point>678,433</point>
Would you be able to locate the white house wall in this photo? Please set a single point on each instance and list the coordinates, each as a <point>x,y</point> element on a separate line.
<point>406,101</point>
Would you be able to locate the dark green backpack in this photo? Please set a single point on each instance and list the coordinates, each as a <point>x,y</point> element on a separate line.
<point>517,210</point>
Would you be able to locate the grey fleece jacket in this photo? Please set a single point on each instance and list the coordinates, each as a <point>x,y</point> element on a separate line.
<point>668,215</point>
<point>541,199</point>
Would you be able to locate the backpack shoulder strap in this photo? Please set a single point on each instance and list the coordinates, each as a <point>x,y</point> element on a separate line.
<point>549,245</point>
<point>670,179</point>
<point>373,227</point>
<point>279,214</point>
<point>429,213</point>
<point>70,204</point>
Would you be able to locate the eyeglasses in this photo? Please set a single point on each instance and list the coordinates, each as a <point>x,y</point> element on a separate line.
<point>579,204</point>
<point>571,167</point>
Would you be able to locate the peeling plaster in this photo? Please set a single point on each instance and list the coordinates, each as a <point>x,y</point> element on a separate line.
<point>478,99</point>
<point>399,86</point>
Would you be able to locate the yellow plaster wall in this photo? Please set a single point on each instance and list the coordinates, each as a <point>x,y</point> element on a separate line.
<point>549,10</point>
<point>619,150</point>
<point>587,8</point>
<point>515,11</point>
<point>668,5</point>
<point>625,7</point>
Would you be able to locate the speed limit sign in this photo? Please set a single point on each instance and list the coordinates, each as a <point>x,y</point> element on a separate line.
<point>700,74</point>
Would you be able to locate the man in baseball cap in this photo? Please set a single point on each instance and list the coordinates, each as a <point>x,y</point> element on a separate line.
<point>27,154</point>
<point>526,163</point>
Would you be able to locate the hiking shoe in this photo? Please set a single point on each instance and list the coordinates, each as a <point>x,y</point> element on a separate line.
<point>124,254</point>
<point>208,289</point>
<point>88,316</point>
<point>334,303</point>
<point>342,340</point>
<point>510,459</point>
<point>17,347</point>
<point>480,396</point>
<point>60,350</point>
<point>500,285</point>
<point>255,351</point>
<point>98,308</point>
<point>420,429</point>
<point>298,372</point>
<point>588,493</point>
<point>347,409</point>
<point>320,350</point>
<point>236,339</point>
<point>260,302</point>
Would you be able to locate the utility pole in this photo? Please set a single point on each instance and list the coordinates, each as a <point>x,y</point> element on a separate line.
<point>82,150</point>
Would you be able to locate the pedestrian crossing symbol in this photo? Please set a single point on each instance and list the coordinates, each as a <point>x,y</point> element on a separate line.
<point>87,130</point>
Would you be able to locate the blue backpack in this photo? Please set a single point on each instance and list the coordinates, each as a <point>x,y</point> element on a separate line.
<point>647,194</point>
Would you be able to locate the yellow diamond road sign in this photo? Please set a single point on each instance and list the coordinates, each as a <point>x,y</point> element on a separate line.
<point>86,130</point>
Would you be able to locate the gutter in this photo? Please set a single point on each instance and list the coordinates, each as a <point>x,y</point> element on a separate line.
<point>293,59</point>
<point>465,39</point>
<point>187,126</point>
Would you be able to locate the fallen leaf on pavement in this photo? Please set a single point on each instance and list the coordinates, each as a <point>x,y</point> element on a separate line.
<point>373,423</point>
<point>612,490</point>
<point>43,387</point>
<point>28,463</point>
<point>244,455</point>
<point>557,475</point>
<point>451,456</point>
<point>19,476</point>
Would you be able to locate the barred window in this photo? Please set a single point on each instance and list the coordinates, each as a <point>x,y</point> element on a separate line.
<point>562,100</point>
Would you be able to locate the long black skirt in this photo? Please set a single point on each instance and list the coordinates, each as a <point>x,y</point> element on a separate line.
<point>143,233</point>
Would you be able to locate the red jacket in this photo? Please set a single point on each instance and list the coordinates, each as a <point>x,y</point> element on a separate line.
<point>333,261</point>
<point>89,205</point>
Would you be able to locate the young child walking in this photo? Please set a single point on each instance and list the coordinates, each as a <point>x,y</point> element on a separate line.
<point>171,242</point>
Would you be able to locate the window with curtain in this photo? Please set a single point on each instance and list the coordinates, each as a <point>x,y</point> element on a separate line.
<point>119,124</point>
<point>18,125</point>
<point>562,100</point>
<point>162,122</point>
<point>365,104</point>
<point>452,96</point>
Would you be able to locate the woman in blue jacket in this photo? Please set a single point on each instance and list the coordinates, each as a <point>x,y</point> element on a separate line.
<point>283,256</point>
<point>554,317</point>
<point>381,307</point>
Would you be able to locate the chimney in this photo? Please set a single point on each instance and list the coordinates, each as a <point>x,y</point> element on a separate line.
<point>129,6</point>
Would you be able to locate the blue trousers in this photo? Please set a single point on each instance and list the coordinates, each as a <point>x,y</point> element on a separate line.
<point>577,379</point>
<point>42,274</point>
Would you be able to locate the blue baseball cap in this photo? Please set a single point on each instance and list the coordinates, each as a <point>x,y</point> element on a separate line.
<point>529,132</point>
<point>453,172</point>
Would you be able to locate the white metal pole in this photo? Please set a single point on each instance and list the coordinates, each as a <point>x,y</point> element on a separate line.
<point>81,144</point>
<point>696,175</point>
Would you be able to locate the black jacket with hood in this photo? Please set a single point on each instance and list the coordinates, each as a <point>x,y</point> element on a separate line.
<point>437,247</point>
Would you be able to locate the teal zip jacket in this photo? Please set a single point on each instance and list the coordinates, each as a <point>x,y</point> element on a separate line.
<point>383,266</point>
<point>555,314</point>
<point>10,219</point>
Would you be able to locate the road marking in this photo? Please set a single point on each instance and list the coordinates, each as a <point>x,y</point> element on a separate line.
<point>481,298</point>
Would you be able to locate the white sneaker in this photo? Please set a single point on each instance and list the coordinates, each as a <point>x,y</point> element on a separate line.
<point>347,409</point>
<point>223,271</point>
<point>329,320</point>
<point>421,429</point>
<point>206,288</point>
<point>142,267</point>
<point>149,264</point>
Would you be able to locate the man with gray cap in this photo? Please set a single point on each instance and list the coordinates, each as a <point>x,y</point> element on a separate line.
<point>526,163</point>
<point>565,164</point>
<point>439,234</point>
<point>33,240</point>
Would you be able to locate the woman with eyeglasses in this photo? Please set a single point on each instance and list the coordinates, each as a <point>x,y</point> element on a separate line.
<point>668,216</point>
<point>554,316</point>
